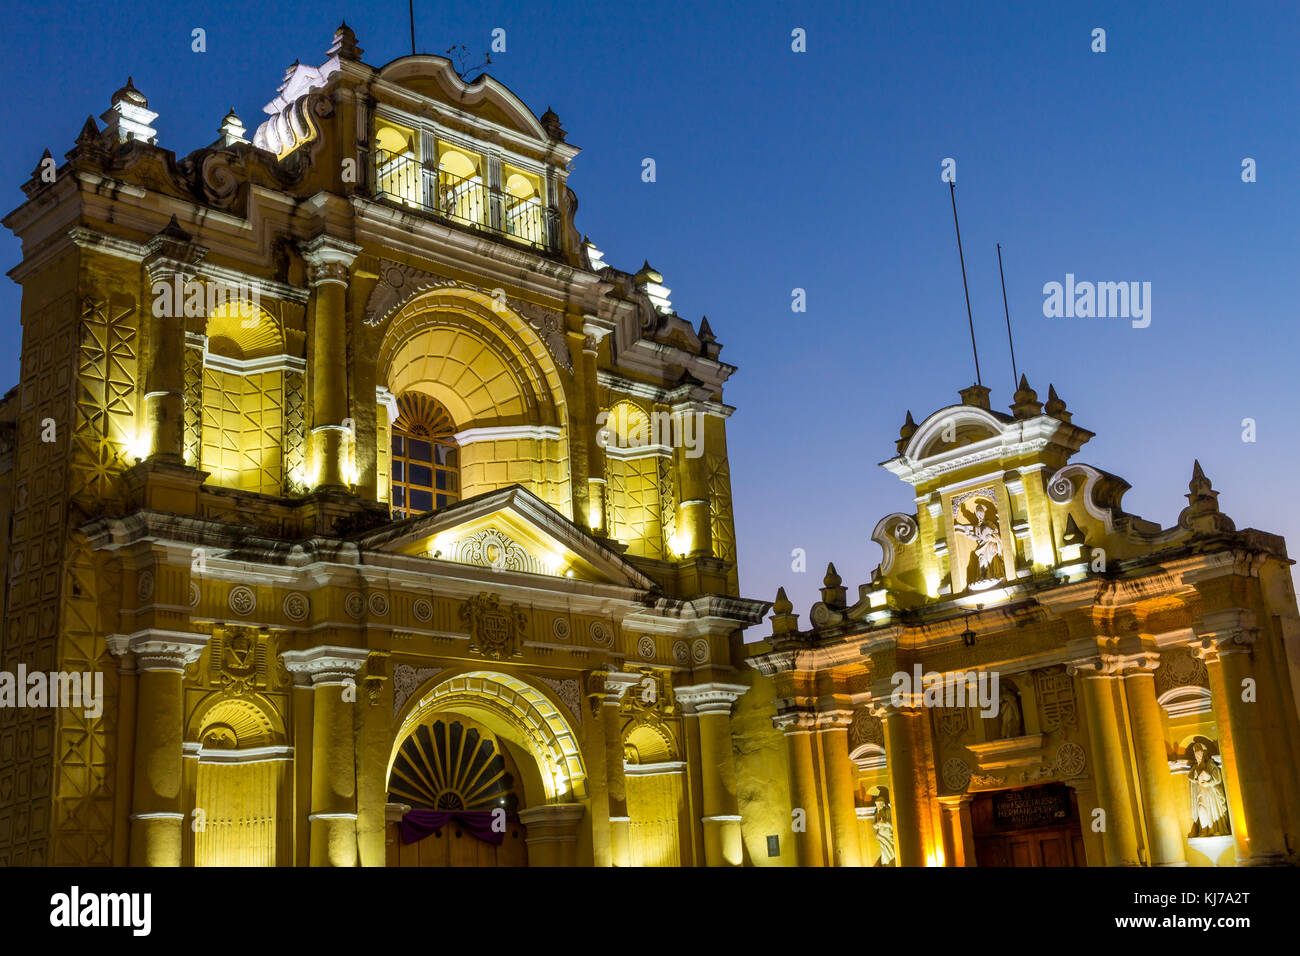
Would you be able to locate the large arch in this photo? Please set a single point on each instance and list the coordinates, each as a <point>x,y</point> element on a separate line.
<point>468,326</point>
<point>496,377</point>
<point>518,713</point>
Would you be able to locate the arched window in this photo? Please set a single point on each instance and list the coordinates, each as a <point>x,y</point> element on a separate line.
<point>426,460</point>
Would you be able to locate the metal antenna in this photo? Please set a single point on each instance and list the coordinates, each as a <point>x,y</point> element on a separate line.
<point>411,4</point>
<point>952,187</point>
<point>1014,374</point>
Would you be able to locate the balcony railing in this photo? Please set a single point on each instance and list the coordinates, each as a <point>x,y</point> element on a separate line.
<point>400,178</point>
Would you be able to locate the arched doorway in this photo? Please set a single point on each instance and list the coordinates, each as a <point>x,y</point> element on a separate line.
<point>471,744</point>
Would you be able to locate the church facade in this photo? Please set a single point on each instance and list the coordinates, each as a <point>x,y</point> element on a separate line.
<point>358,513</point>
<point>1034,677</point>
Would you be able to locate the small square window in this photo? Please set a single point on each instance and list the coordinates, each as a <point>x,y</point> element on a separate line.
<point>774,846</point>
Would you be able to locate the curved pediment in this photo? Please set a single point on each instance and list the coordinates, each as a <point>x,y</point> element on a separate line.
<point>436,78</point>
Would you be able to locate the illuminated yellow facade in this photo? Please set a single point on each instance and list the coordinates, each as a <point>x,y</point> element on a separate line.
<point>1034,677</point>
<point>397,526</point>
<point>367,487</point>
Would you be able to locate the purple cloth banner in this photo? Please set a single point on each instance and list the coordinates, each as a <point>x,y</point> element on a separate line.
<point>418,824</point>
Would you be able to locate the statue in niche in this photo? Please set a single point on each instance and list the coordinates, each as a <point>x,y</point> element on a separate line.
<point>1205,785</point>
<point>883,825</point>
<point>1011,719</point>
<point>985,566</point>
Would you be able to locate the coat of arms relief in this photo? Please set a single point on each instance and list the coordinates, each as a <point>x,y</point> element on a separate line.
<point>496,632</point>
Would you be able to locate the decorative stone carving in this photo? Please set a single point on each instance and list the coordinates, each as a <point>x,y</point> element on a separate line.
<point>681,653</point>
<point>422,610</point>
<point>296,606</point>
<point>700,651</point>
<point>560,629</point>
<point>1070,760</point>
<point>1056,703</point>
<point>378,603</point>
<point>1180,667</point>
<point>600,633</point>
<point>494,549</point>
<point>242,601</point>
<point>407,680</point>
<point>1061,490</point>
<point>144,586</point>
<point>866,728</point>
<point>646,647</point>
<point>196,594</point>
<point>953,722</point>
<point>956,774</point>
<point>495,632</point>
<point>355,605</point>
<point>569,692</point>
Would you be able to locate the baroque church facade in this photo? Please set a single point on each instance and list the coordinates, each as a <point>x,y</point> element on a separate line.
<point>396,527</point>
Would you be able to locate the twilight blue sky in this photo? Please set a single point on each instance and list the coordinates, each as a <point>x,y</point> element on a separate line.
<point>821,170</point>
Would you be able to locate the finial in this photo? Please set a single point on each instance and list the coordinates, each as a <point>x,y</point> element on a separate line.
<point>705,333</point>
<point>1202,511</point>
<point>1072,533</point>
<point>551,123</point>
<point>89,131</point>
<point>1025,403</point>
<point>976,396</point>
<point>782,603</point>
<point>905,433</point>
<point>832,579</point>
<point>1055,407</point>
<point>345,44</point>
<point>173,230</point>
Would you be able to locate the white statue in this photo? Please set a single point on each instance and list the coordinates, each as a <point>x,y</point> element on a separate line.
<point>883,825</point>
<point>1209,805</point>
<point>986,563</point>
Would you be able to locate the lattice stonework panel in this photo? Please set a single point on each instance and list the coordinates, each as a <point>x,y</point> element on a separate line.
<point>243,431</point>
<point>724,531</point>
<point>27,738</point>
<point>633,498</point>
<point>193,405</point>
<point>295,433</point>
<point>104,422</point>
<point>83,805</point>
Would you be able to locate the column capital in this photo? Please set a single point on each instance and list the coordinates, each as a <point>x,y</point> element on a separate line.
<point>712,697</point>
<point>1229,631</point>
<point>158,650</point>
<point>328,258</point>
<point>324,664</point>
<point>172,252</point>
<point>594,331</point>
<point>795,720</point>
<point>552,822</point>
<point>834,719</point>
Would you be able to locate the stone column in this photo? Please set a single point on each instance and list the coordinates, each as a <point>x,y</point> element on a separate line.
<point>552,834</point>
<point>958,830</point>
<point>328,261</point>
<point>909,844</point>
<point>1164,836</point>
<point>332,672</point>
<point>810,844</point>
<point>710,704</point>
<point>694,508</point>
<point>846,843</point>
<point>594,333</point>
<point>620,824</point>
<point>1225,640</point>
<point>158,791</point>
<point>1119,838</point>
<point>170,259</point>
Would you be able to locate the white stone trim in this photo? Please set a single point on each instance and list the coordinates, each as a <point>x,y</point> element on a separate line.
<point>253,366</point>
<point>158,815</point>
<point>386,398</point>
<point>495,432</point>
<point>1185,700</point>
<point>331,816</point>
<point>653,769</point>
<point>246,755</point>
<point>631,452</point>
<point>722,818</point>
